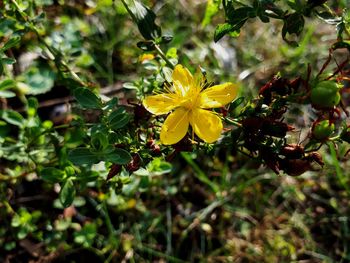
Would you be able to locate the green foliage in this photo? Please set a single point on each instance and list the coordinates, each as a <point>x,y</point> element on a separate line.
<point>38,80</point>
<point>293,16</point>
<point>86,236</point>
<point>24,222</point>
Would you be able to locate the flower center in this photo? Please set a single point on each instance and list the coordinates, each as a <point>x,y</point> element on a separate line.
<point>191,100</point>
<point>190,103</point>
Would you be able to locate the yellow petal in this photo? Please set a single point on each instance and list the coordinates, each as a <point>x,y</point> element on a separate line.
<point>206,124</point>
<point>182,80</point>
<point>174,127</point>
<point>218,96</point>
<point>161,103</point>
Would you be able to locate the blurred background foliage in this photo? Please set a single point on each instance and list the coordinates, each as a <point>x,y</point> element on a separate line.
<point>209,205</point>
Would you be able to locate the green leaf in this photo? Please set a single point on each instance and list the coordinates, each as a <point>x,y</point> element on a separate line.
<point>10,245</point>
<point>296,5</point>
<point>118,156</point>
<point>82,155</point>
<point>146,45</point>
<point>263,18</point>
<point>5,130</point>
<point>85,60</point>
<point>293,24</point>
<point>39,80</point>
<point>142,172</point>
<point>99,127</point>
<point>32,106</point>
<point>261,7</point>
<point>12,117</point>
<point>87,99</point>
<point>118,119</point>
<point>341,44</point>
<point>11,43</point>
<point>210,11</point>
<point>99,141</point>
<point>172,53</point>
<point>221,30</point>
<point>22,232</point>
<point>240,15</point>
<point>158,167</point>
<point>144,18</point>
<point>86,236</point>
<point>235,19</point>
<point>130,85</point>
<point>8,61</point>
<point>7,84</point>
<point>166,39</point>
<point>111,104</point>
<point>52,175</point>
<point>236,103</point>
<point>67,193</point>
<point>88,176</point>
<point>329,17</point>
<point>7,94</point>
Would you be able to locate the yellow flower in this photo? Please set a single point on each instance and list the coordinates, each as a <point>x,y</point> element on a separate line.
<point>189,102</point>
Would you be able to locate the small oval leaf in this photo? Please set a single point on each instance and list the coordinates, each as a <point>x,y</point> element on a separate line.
<point>87,99</point>
<point>52,175</point>
<point>12,117</point>
<point>118,119</point>
<point>67,193</point>
<point>81,156</point>
<point>118,156</point>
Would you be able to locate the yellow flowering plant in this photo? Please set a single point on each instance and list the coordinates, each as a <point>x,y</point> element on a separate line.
<point>188,102</point>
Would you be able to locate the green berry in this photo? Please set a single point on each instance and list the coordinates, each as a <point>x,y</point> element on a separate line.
<point>322,130</point>
<point>325,94</point>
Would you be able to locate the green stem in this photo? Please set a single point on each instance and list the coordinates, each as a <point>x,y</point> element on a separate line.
<point>231,121</point>
<point>156,253</point>
<point>338,170</point>
<point>109,224</point>
<point>102,209</point>
<point>201,176</point>
<point>9,208</point>
<point>163,56</point>
<point>335,138</point>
